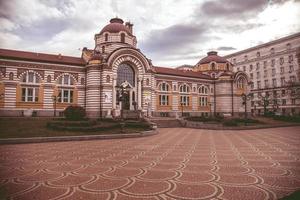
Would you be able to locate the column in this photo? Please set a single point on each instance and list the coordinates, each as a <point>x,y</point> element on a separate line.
<point>114,93</point>
<point>140,93</point>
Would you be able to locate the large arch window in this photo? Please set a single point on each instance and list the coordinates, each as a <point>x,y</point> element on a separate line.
<point>203,90</point>
<point>30,91</point>
<point>125,73</point>
<point>164,87</point>
<point>106,37</point>
<point>184,88</point>
<point>66,89</point>
<point>241,83</point>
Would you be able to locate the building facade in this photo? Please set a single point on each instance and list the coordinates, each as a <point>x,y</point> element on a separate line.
<point>273,69</point>
<point>115,75</point>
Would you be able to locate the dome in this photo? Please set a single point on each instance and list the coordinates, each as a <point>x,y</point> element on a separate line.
<point>116,25</point>
<point>212,56</point>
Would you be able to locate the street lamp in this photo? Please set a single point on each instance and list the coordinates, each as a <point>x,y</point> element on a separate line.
<point>54,98</point>
<point>181,104</point>
<point>209,103</point>
<point>245,98</point>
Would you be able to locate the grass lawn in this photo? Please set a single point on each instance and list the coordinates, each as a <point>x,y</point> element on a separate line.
<point>36,127</point>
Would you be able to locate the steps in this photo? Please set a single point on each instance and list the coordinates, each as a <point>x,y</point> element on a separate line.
<point>131,114</point>
<point>165,122</point>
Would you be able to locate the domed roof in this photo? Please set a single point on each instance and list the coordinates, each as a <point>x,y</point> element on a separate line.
<point>212,56</point>
<point>116,25</point>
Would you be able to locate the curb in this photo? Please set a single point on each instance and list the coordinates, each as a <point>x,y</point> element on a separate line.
<point>241,128</point>
<point>76,138</point>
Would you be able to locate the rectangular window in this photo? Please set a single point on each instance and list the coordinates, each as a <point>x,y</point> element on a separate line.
<point>265,73</point>
<point>273,72</point>
<point>293,101</point>
<point>203,101</point>
<point>274,83</point>
<point>283,101</point>
<point>258,84</point>
<point>266,83</point>
<point>163,100</point>
<point>265,64</point>
<point>281,70</point>
<point>251,75</point>
<point>258,74</point>
<point>184,100</point>
<point>65,96</point>
<point>281,60</point>
<point>291,68</point>
<point>290,58</point>
<point>273,62</point>
<point>282,81</point>
<point>30,94</point>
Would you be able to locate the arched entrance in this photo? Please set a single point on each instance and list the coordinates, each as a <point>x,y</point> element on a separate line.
<point>126,87</point>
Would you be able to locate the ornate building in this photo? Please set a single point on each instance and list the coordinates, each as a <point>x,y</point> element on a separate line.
<point>274,71</point>
<point>115,74</point>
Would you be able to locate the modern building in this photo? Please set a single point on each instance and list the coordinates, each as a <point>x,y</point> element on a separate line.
<point>116,75</point>
<point>274,72</point>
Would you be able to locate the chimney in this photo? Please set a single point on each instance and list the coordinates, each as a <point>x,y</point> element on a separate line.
<point>129,26</point>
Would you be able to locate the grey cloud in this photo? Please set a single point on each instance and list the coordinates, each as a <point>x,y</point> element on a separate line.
<point>232,8</point>
<point>42,30</point>
<point>225,48</point>
<point>174,38</point>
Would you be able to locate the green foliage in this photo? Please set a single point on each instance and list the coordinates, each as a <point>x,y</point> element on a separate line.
<point>230,123</point>
<point>204,119</point>
<point>295,119</point>
<point>74,113</point>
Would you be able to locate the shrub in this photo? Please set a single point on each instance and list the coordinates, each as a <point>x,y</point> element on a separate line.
<point>230,123</point>
<point>74,113</point>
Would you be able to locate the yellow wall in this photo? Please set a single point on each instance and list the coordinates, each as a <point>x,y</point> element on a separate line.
<point>20,104</point>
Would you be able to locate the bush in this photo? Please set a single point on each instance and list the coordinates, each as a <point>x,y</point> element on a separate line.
<point>288,118</point>
<point>74,113</point>
<point>204,119</point>
<point>230,123</point>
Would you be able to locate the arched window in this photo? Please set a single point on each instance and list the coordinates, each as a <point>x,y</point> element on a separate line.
<point>203,90</point>
<point>65,80</point>
<point>107,79</point>
<point>184,88</point>
<point>11,76</point>
<point>213,66</point>
<point>103,49</point>
<point>106,37</point>
<point>48,79</point>
<point>123,37</point>
<point>241,83</point>
<point>125,73</point>
<point>164,87</point>
<point>30,77</point>
<point>147,82</point>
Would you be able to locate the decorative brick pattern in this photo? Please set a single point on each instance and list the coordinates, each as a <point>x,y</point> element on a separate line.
<point>175,164</point>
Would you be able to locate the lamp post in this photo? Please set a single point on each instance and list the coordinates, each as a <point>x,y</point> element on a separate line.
<point>54,98</point>
<point>181,104</point>
<point>209,104</point>
<point>245,98</point>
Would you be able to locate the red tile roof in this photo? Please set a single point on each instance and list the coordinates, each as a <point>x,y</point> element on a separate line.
<point>177,72</point>
<point>116,25</point>
<point>40,57</point>
<point>212,56</point>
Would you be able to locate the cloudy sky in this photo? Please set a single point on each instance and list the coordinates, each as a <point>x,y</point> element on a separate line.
<point>170,32</point>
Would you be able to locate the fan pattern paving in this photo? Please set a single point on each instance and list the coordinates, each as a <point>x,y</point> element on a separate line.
<point>175,164</point>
